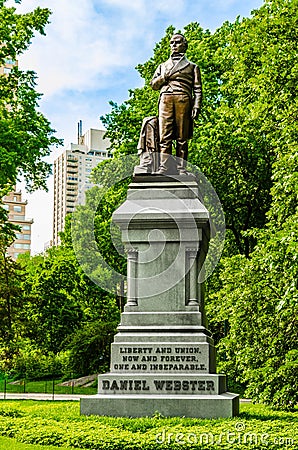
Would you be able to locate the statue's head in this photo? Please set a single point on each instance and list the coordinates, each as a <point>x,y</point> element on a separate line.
<point>178,43</point>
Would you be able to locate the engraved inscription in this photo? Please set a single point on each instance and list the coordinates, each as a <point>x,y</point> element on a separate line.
<point>125,385</point>
<point>136,349</point>
<point>178,367</point>
<point>186,385</point>
<point>158,385</point>
<point>176,358</point>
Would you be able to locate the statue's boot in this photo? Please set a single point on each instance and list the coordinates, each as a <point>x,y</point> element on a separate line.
<point>181,166</point>
<point>164,164</point>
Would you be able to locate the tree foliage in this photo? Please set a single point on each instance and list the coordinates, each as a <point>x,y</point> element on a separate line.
<point>25,133</point>
<point>25,138</point>
<point>10,296</point>
<point>258,296</point>
<point>60,303</point>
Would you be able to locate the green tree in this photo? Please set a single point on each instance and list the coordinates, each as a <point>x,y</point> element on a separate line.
<point>10,291</point>
<point>257,297</point>
<point>90,347</point>
<point>25,139</point>
<point>25,133</point>
<point>50,306</point>
<point>61,309</point>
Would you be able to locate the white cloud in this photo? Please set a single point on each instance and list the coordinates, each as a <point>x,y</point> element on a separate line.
<point>87,40</point>
<point>77,48</point>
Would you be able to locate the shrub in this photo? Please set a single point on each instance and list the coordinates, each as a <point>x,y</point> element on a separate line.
<point>32,363</point>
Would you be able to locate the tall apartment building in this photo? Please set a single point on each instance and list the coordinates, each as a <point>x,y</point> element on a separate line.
<point>71,174</point>
<point>16,208</point>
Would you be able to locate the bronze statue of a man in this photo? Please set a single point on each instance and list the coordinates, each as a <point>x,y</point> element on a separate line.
<point>179,82</point>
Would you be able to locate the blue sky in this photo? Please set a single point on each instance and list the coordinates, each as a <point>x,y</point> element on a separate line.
<point>88,58</point>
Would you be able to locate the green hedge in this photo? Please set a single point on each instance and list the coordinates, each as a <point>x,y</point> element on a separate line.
<point>13,444</point>
<point>59,424</point>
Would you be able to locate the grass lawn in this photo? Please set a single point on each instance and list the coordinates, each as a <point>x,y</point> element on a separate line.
<point>59,424</point>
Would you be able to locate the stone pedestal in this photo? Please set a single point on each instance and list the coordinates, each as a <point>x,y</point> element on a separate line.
<point>163,357</point>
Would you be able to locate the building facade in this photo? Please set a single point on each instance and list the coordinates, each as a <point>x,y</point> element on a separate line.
<point>8,65</point>
<point>72,172</point>
<point>16,208</point>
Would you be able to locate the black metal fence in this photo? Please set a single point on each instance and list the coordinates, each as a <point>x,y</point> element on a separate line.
<point>48,386</point>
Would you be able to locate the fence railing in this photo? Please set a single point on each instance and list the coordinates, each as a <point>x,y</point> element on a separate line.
<point>48,386</point>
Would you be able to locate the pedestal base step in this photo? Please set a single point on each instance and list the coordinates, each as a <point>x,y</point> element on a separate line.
<point>203,406</point>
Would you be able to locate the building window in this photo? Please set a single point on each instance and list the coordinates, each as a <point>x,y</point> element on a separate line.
<point>18,217</point>
<point>27,237</point>
<point>7,70</point>
<point>25,246</point>
<point>17,209</point>
<point>9,61</point>
<point>26,227</point>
